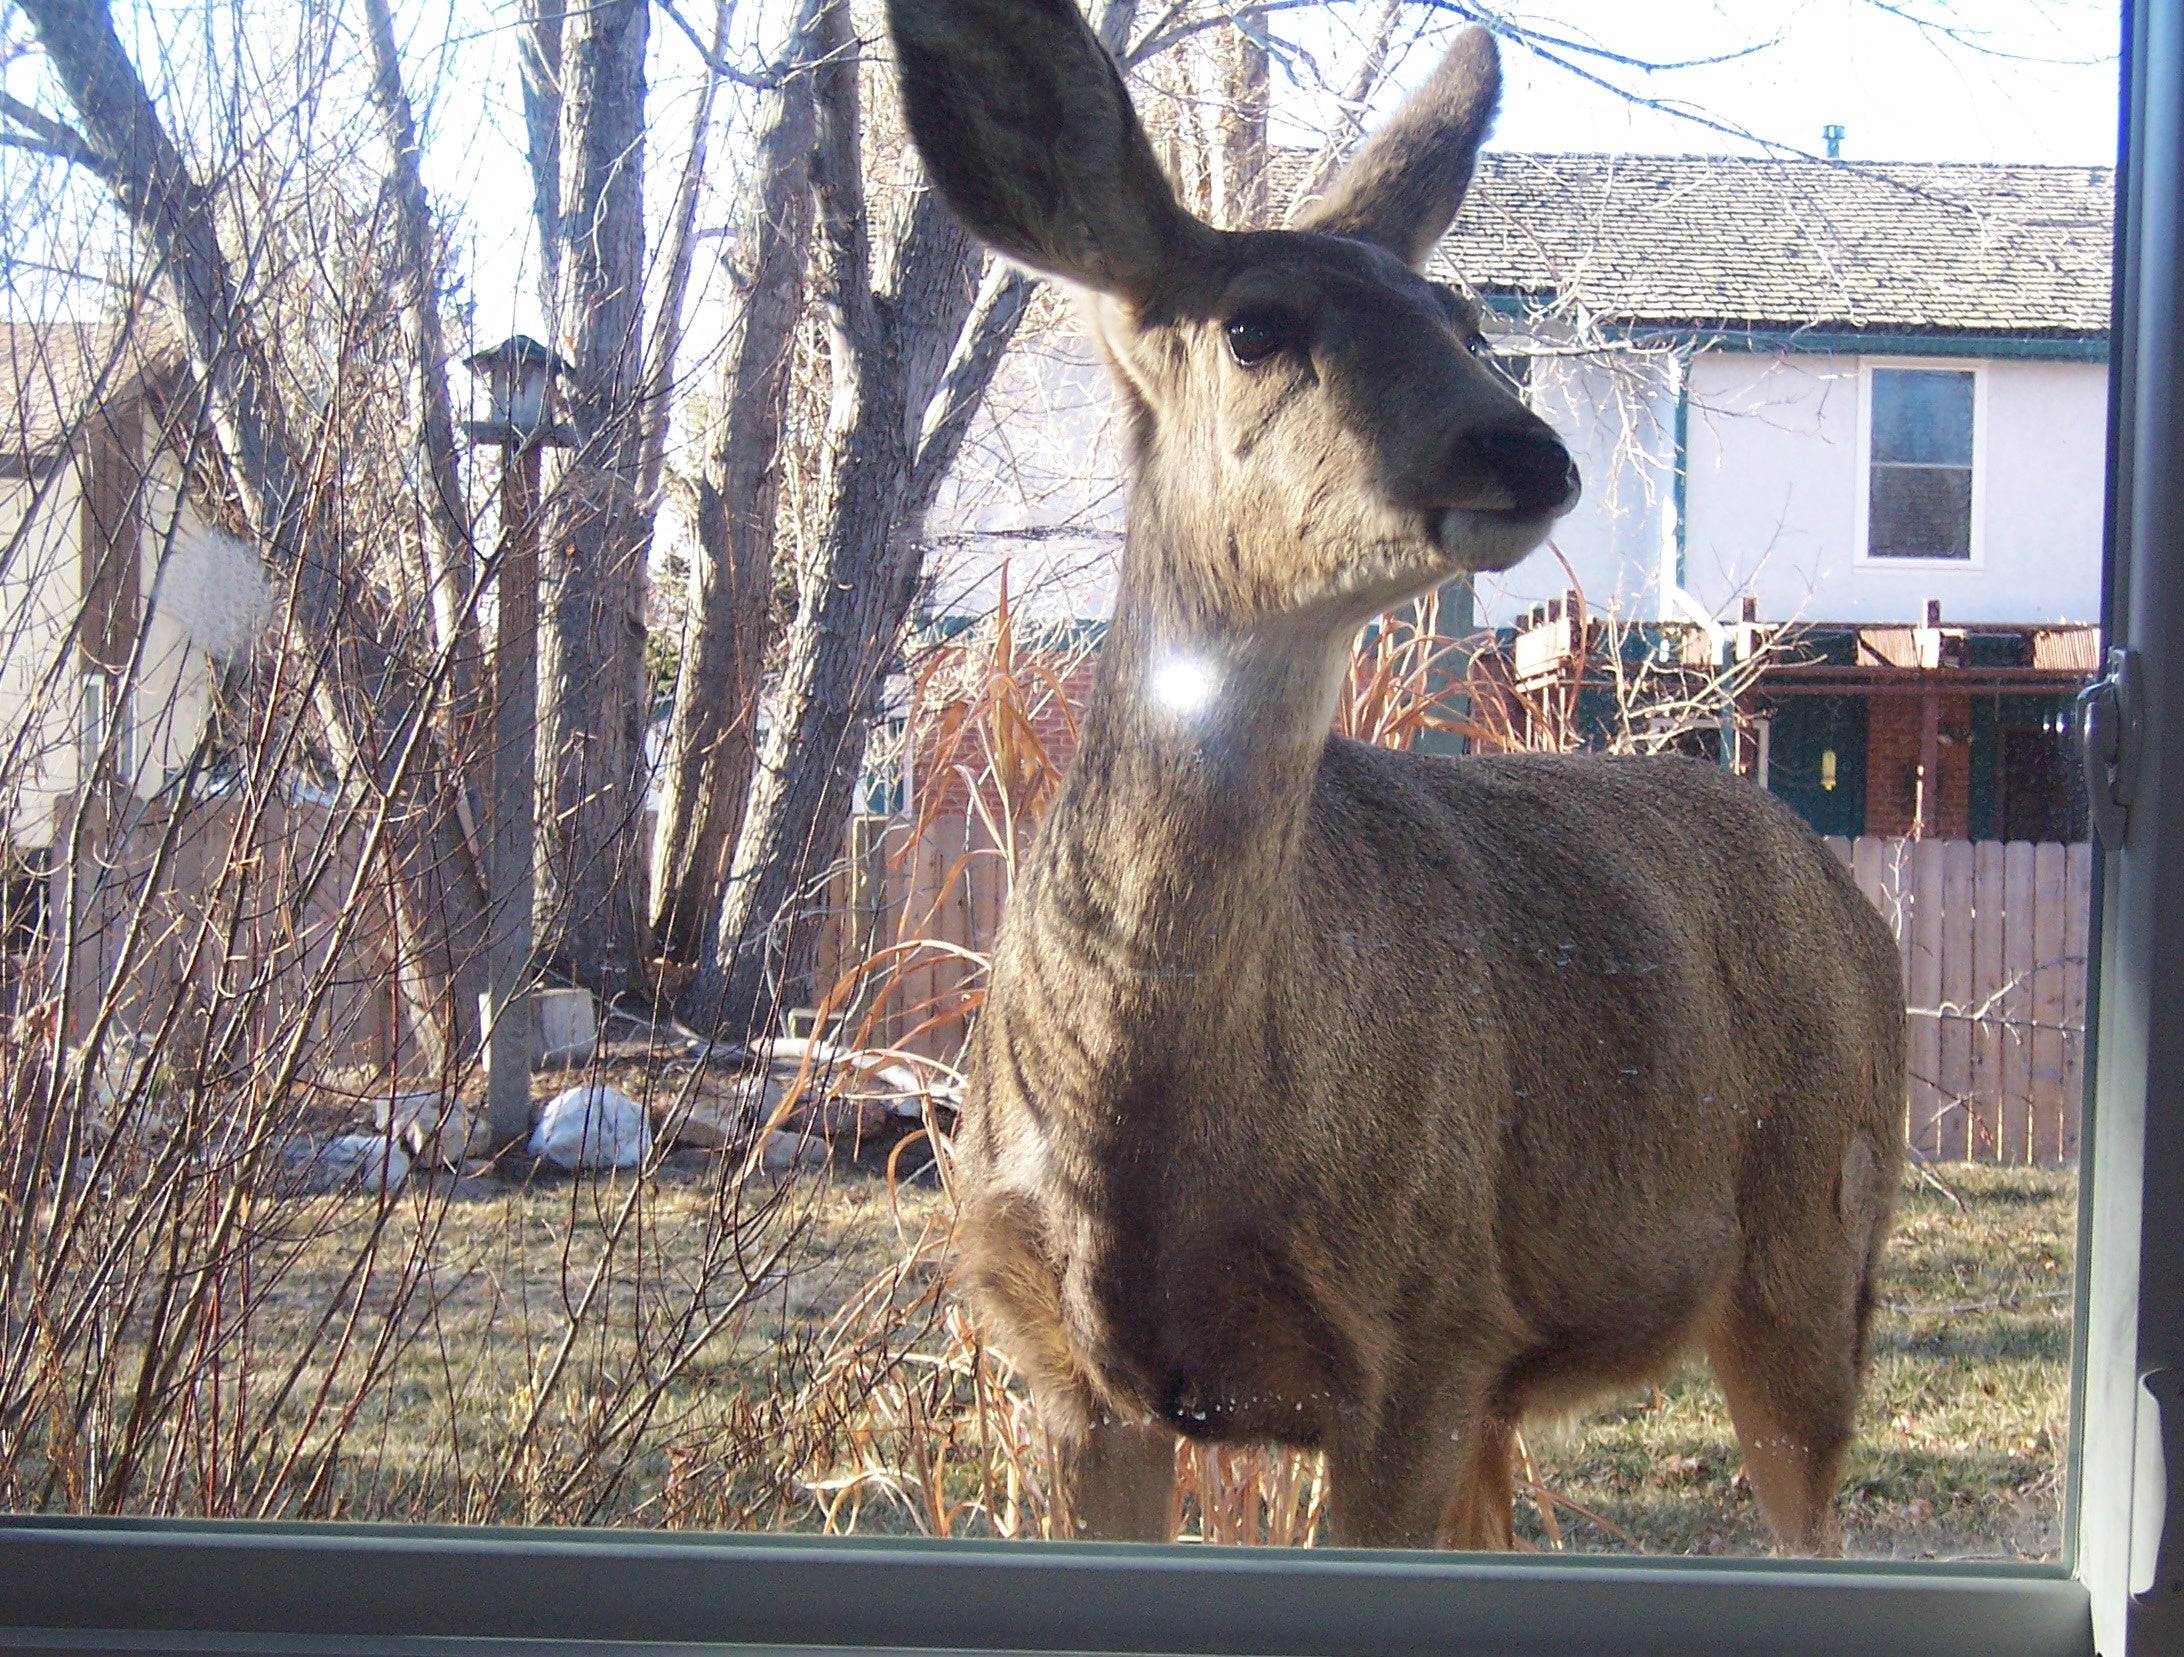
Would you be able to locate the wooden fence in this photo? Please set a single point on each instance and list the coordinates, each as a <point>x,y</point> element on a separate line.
<point>935,905</point>
<point>1993,938</point>
<point>243,924</point>
<point>1994,960</point>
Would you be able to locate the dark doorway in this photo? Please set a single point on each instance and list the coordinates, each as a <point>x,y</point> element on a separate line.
<point>2038,794</point>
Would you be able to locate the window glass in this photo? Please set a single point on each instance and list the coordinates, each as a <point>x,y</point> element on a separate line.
<point>699,899</point>
<point>1919,498</point>
<point>1922,416</point>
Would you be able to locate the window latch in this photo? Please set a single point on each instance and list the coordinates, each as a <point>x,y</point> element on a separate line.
<point>2157,1547</point>
<point>2111,731</point>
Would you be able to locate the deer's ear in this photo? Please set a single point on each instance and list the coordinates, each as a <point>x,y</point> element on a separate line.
<point>1023,123</point>
<point>1402,190</point>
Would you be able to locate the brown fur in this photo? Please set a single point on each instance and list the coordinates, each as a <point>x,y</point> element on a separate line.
<point>1336,1097</point>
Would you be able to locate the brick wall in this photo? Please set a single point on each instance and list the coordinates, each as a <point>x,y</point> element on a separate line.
<point>1892,764</point>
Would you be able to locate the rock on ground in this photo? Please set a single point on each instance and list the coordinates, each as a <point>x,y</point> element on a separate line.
<point>784,1152</point>
<point>592,1127</point>
<point>438,1130</point>
<point>354,1162</point>
<point>706,1122</point>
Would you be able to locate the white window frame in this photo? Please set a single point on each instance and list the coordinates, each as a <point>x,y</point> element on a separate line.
<point>171,1587</point>
<point>1862,524</point>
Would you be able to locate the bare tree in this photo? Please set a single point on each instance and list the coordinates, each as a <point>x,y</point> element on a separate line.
<point>450,556</point>
<point>913,338</point>
<point>1246,88</point>
<point>592,712</point>
<point>539,62</point>
<point>712,736</point>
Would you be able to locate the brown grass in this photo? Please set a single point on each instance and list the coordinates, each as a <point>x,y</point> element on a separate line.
<point>851,1393</point>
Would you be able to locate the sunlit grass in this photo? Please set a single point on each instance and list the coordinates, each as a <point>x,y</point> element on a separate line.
<point>1961,1433</point>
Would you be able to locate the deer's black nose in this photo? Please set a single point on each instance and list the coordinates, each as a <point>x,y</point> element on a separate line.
<point>1531,463</point>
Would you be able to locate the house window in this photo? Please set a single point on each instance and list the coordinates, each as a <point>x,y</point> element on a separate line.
<point>1919,463</point>
<point>108,717</point>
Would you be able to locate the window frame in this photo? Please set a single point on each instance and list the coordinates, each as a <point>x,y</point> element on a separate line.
<point>86,1585</point>
<point>1862,526</point>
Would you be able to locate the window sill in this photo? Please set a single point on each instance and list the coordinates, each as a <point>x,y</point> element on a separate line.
<point>152,1587</point>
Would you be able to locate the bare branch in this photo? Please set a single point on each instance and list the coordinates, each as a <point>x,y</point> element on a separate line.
<point>450,573</point>
<point>714,54</point>
<point>46,136</point>
<point>1975,40</point>
<point>1001,310</point>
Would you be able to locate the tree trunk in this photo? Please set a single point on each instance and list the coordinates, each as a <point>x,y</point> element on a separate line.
<point>373,701</point>
<point>905,380</point>
<point>711,738</point>
<point>540,47</point>
<point>1243,120</point>
<point>593,709</point>
<point>450,562</point>
<point>682,242</point>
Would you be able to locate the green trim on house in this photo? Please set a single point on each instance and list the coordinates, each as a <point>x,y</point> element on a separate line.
<point>1851,342</point>
<point>1803,730</point>
<point>1821,339</point>
<point>1081,632</point>
<point>1680,476</point>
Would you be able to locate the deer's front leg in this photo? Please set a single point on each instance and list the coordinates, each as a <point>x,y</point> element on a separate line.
<point>1121,1480</point>
<point>1427,1473</point>
<point>1481,1510</point>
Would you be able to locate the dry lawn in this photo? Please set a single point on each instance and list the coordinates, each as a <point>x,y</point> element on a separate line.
<point>777,1421</point>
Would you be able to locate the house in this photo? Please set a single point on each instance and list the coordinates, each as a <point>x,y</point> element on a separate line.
<point>1838,388</point>
<point>1930,731</point>
<point>1865,398</point>
<point>1868,399</point>
<point>121,605</point>
<point>117,595</point>
<point>118,599</point>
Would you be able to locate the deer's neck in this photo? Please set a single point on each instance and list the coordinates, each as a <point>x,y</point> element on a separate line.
<point>1168,864</point>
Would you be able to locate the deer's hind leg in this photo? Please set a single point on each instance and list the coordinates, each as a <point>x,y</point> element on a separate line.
<point>1792,1388</point>
<point>1789,1345</point>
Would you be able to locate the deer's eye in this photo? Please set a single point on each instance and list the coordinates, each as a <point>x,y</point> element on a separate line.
<point>1257,335</point>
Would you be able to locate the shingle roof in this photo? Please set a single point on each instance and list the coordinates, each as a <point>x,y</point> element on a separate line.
<point>52,374</point>
<point>1880,245</point>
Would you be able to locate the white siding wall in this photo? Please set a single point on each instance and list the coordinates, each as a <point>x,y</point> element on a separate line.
<point>1616,413</point>
<point>1771,494</point>
<point>38,685</point>
<point>1773,490</point>
<point>174,680</point>
<point>1039,484</point>
<point>40,673</point>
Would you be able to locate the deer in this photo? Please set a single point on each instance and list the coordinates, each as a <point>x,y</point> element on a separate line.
<point>1341,1098</point>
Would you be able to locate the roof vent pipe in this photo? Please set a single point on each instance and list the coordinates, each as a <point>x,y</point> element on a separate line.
<point>1832,136</point>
